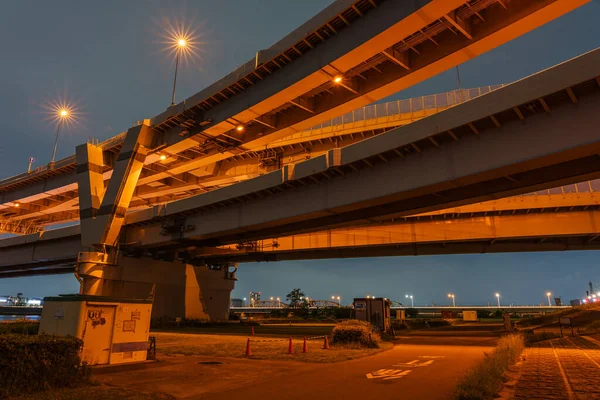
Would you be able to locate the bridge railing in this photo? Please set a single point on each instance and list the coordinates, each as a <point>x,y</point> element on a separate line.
<point>408,106</point>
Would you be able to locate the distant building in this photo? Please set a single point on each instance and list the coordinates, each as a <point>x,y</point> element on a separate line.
<point>575,302</point>
<point>237,303</point>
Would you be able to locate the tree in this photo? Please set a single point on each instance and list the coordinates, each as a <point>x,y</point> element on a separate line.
<point>295,297</point>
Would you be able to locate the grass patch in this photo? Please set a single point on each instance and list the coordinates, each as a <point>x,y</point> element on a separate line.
<point>171,344</point>
<point>281,330</point>
<point>94,392</point>
<point>484,381</point>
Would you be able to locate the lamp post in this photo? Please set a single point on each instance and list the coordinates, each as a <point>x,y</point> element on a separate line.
<point>412,304</point>
<point>278,302</point>
<point>181,45</point>
<point>63,114</point>
<point>451,295</point>
<point>498,298</point>
<point>548,294</point>
<point>244,302</point>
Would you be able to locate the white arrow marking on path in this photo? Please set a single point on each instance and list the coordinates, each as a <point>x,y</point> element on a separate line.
<point>414,364</point>
<point>387,374</point>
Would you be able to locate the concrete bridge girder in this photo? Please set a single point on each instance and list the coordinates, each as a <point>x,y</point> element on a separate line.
<point>313,195</point>
<point>342,53</point>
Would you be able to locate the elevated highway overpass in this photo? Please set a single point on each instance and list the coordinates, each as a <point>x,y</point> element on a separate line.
<point>563,218</point>
<point>351,54</point>
<point>378,47</point>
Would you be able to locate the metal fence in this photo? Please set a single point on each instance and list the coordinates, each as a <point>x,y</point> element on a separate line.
<point>408,106</point>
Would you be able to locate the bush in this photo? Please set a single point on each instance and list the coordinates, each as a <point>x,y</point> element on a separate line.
<point>34,363</point>
<point>484,381</point>
<point>20,326</point>
<point>354,331</point>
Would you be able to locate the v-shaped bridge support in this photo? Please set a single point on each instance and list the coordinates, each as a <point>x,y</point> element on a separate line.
<point>102,211</point>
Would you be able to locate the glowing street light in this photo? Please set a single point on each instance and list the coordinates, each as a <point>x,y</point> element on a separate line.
<point>180,47</point>
<point>412,304</point>
<point>278,302</point>
<point>62,115</point>
<point>548,294</point>
<point>339,300</point>
<point>498,298</point>
<point>338,79</point>
<point>239,128</point>
<point>451,295</point>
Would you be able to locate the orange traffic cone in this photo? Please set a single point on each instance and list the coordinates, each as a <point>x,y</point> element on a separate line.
<point>252,331</point>
<point>305,348</point>
<point>248,349</point>
<point>326,344</point>
<point>291,347</point>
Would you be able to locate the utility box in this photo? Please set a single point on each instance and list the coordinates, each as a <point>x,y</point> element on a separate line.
<point>401,316</point>
<point>374,310</point>
<point>469,316</point>
<point>113,330</point>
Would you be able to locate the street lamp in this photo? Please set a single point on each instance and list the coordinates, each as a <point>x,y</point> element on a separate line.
<point>548,294</point>
<point>62,115</point>
<point>278,303</point>
<point>451,295</point>
<point>244,302</point>
<point>498,298</point>
<point>412,304</point>
<point>180,46</point>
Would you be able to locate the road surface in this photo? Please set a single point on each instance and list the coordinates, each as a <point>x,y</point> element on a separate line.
<point>416,368</point>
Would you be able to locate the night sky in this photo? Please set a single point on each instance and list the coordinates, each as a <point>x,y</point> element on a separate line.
<point>106,56</point>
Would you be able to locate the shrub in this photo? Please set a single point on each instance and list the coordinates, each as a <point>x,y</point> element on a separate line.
<point>40,362</point>
<point>354,331</point>
<point>20,326</point>
<point>484,381</point>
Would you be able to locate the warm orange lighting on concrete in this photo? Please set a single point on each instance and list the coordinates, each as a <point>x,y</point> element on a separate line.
<point>337,79</point>
<point>239,128</point>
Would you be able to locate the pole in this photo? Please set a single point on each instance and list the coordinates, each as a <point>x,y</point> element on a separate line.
<point>453,302</point>
<point>412,303</point>
<point>459,91</point>
<point>549,303</point>
<point>175,79</point>
<point>498,298</point>
<point>56,140</point>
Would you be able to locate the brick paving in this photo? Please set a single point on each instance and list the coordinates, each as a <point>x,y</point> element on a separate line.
<point>566,368</point>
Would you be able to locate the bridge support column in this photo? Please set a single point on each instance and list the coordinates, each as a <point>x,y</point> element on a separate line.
<point>179,290</point>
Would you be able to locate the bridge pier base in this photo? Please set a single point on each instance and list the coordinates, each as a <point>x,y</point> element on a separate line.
<point>179,290</point>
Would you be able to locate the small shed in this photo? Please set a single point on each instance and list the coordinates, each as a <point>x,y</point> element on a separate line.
<point>114,330</point>
<point>374,310</point>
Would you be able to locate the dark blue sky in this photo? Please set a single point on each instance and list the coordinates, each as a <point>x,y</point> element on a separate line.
<point>107,57</point>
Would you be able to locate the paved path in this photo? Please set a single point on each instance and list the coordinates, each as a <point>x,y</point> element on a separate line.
<point>561,369</point>
<point>408,371</point>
